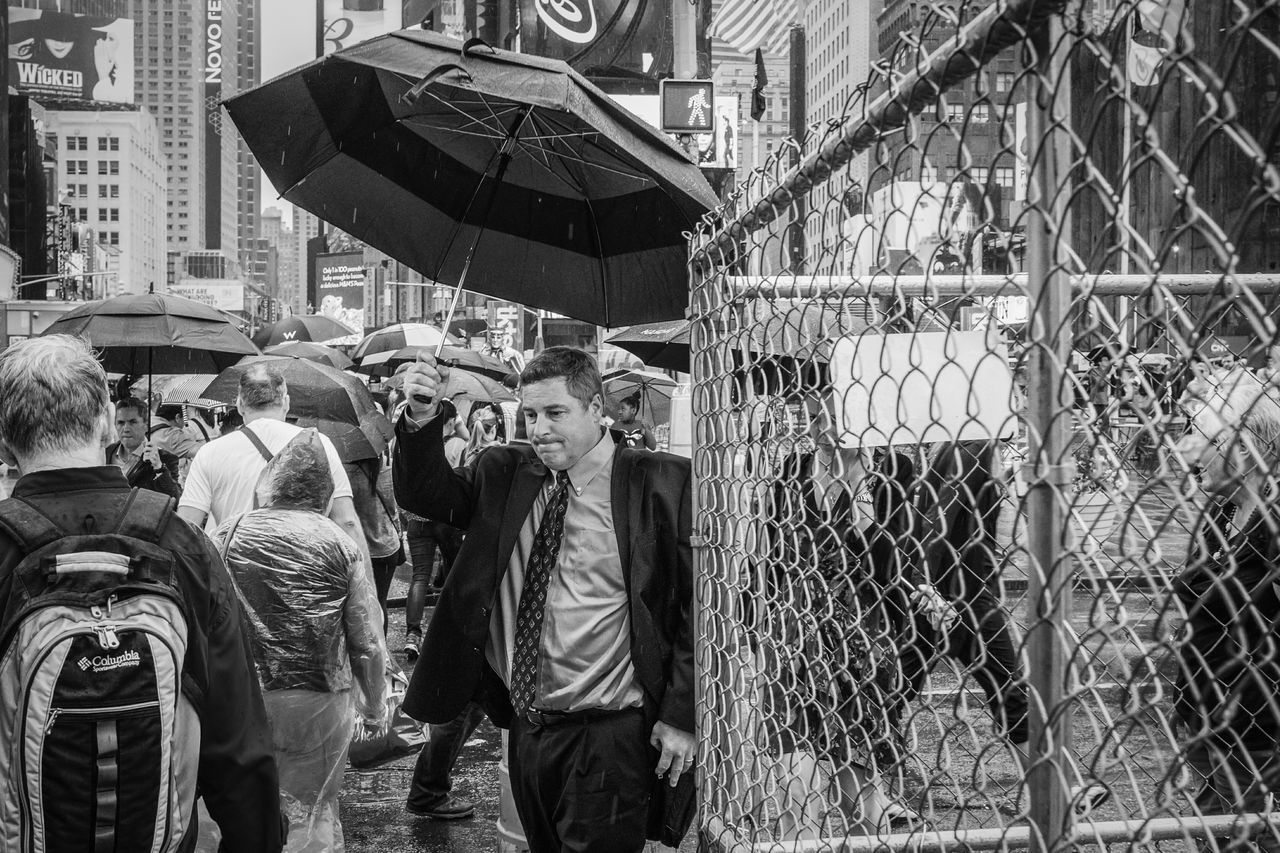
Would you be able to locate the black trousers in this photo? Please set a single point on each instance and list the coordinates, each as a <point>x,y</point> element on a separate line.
<point>583,786</point>
<point>433,774</point>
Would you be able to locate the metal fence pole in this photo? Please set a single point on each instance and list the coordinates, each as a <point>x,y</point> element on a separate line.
<point>1048,426</point>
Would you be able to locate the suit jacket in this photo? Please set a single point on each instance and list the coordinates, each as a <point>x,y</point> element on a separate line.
<point>143,476</point>
<point>490,500</point>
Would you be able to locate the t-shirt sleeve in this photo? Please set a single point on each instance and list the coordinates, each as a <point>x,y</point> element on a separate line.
<point>196,492</point>
<point>341,485</point>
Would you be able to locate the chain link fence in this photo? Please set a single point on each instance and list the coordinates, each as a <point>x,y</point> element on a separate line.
<point>987,436</point>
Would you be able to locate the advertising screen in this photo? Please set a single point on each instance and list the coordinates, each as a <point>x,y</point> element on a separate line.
<point>348,22</point>
<point>340,288</point>
<point>601,38</point>
<point>71,57</point>
<point>223,294</point>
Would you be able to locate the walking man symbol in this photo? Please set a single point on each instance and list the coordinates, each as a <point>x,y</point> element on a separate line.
<point>698,106</point>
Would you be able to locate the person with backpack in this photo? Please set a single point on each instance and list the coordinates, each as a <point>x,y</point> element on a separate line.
<point>130,686</point>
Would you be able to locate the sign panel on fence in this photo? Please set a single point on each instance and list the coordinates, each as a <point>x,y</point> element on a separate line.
<point>921,388</point>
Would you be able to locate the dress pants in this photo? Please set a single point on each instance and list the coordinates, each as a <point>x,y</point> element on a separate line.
<point>582,785</point>
<point>432,775</point>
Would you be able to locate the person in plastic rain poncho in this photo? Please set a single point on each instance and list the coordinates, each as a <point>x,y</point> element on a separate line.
<point>315,631</point>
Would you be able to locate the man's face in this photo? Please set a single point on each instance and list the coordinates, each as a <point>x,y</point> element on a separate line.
<point>131,428</point>
<point>561,429</point>
<point>1209,448</point>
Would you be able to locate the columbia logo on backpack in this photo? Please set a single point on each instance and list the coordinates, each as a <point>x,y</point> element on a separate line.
<point>106,740</point>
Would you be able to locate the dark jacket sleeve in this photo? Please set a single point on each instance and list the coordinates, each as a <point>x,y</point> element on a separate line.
<point>238,778</point>
<point>165,480</point>
<point>678,701</point>
<point>425,485</point>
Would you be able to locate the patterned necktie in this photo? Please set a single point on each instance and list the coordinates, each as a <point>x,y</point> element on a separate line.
<point>533,597</point>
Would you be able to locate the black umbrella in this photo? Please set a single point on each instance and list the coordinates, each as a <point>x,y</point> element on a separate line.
<point>467,161</point>
<point>312,352</point>
<point>307,327</point>
<point>664,345</point>
<point>462,359</point>
<point>156,333</point>
<point>354,442</point>
<point>315,390</point>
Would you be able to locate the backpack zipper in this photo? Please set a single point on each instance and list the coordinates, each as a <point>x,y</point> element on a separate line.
<point>112,711</point>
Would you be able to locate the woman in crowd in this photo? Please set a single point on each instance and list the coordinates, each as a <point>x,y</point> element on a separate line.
<point>1229,654</point>
<point>316,634</point>
<point>487,430</point>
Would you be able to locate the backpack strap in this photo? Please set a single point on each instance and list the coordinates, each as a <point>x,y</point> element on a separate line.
<point>153,430</point>
<point>145,516</point>
<point>27,526</point>
<point>257,442</point>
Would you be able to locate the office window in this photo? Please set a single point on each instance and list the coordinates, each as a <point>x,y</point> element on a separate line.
<point>82,214</point>
<point>955,113</point>
<point>102,190</point>
<point>82,190</point>
<point>981,112</point>
<point>1004,176</point>
<point>114,214</point>
<point>115,191</point>
<point>102,214</point>
<point>1004,81</point>
<point>978,174</point>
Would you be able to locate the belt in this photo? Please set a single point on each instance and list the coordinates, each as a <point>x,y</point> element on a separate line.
<point>548,719</point>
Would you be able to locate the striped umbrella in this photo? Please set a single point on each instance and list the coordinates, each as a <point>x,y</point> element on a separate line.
<point>398,337</point>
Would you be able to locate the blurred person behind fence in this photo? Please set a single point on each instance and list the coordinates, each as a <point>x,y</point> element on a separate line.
<point>1229,652</point>
<point>56,439</point>
<point>315,630</point>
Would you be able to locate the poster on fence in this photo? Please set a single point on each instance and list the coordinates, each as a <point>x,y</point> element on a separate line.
<point>921,388</point>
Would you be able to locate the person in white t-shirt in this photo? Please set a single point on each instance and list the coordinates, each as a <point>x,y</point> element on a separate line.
<point>225,471</point>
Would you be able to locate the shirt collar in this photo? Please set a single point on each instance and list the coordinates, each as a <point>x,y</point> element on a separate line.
<point>591,464</point>
<point>67,479</point>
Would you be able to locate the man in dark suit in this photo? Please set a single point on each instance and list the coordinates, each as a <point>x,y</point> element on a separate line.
<point>568,614</point>
<point>145,466</point>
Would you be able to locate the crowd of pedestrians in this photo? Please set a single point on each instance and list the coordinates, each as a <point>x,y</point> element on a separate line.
<point>195,613</point>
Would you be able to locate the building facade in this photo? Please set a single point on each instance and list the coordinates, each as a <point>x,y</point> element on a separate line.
<point>111,172</point>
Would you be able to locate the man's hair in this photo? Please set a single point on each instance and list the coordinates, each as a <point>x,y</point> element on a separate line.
<point>575,367</point>
<point>168,411</point>
<point>53,395</point>
<point>300,476</point>
<point>134,405</point>
<point>1242,400</point>
<point>261,386</point>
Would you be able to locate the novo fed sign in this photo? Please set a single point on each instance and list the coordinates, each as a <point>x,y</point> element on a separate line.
<point>688,106</point>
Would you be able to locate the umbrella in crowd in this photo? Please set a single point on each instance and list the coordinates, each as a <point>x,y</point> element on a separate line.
<point>655,390</point>
<point>455,159</point>
<point>463,383</point>
<point>398,336</point>
<point>459,357</point>
<point>663,345</point>
<point>156,333</point>
<point>307,327</point>
<point>179,389</point>
<point>322,396</point>
<point>312,352</point>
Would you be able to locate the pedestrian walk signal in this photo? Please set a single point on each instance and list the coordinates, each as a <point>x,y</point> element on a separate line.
<point>688,106</point>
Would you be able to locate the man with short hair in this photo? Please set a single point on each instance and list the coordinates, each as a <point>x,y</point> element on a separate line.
<point>145,466</point>
<point>222,478</point>
<point>568,613</point>
<point>169,432</point>
<point>56,439</point>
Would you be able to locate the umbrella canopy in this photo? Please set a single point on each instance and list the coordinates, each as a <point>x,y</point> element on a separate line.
<point>311,352</point>
<point>156,333</point>
<point>353,442</point>
<point>462,359</point>
<point>398,336</point>
<point>655,390</point>
<point>473,386</point>
<point>664,345</point>
<point>184,389</point>
<point>306,327</point>
<point>315,390</point>
<point>414,142</point>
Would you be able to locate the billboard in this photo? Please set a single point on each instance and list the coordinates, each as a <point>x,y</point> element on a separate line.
<point>601,38</point>
<point>347,22</point>
<point>222,293</point>
<point>340,288</point>
<point>60,56</point>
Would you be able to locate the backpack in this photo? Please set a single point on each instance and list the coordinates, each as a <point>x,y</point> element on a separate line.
<point>99,741</point>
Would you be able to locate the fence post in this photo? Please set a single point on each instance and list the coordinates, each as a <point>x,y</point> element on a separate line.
<point>1048,428</point>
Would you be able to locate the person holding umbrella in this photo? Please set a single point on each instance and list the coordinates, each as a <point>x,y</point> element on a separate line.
<point>583,609</point>
<point>145,465</point>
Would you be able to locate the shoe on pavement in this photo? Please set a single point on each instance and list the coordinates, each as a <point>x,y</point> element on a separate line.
<point>1086,798</point>
<point>450,808</point>
<point>412,642</point>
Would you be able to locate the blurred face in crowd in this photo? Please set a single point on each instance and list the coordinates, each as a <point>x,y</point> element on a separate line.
<point>485,422</point>
<point>131,428</point>
<point>626,411</point>
<point>561,428</point>
<point>1212,447</point>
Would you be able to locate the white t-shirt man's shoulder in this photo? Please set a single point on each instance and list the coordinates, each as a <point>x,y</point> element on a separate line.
<point>226,470</point>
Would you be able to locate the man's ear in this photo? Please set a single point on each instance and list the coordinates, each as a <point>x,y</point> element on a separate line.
<point>597,406</point>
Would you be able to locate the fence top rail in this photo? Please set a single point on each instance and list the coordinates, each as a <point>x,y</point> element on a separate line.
<point>999,26</point>
<point>932,286</point>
